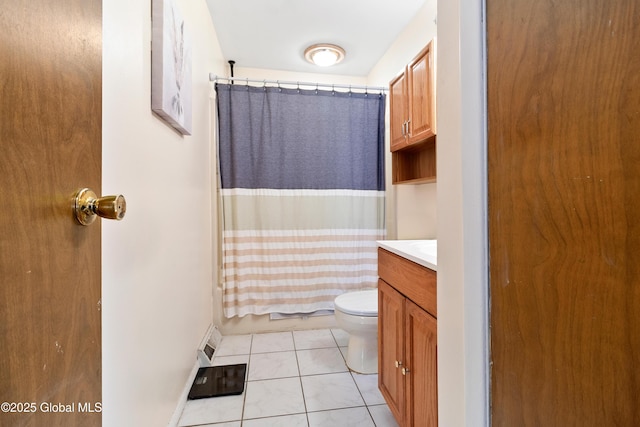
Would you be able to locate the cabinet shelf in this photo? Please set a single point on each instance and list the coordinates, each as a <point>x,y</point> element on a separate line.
<point>416,164</point>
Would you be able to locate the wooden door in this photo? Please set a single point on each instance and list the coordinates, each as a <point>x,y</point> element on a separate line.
<point>50,145</point>
<point>398,111</point>
<point>421,349</point>
<point>390,332</point>
<point>420,83</point>
<point>564,211</point>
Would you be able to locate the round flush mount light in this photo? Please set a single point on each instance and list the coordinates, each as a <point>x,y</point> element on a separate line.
<point>324,55</point>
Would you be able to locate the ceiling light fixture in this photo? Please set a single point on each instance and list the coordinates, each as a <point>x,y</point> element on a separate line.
<point>324,55</point>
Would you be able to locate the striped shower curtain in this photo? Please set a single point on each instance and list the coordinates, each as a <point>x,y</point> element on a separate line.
<point>302,183</point>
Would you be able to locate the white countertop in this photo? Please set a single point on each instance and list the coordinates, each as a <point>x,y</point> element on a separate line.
<point>423,252</point>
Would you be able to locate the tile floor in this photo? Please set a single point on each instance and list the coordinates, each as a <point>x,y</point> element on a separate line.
<point>294,379</point>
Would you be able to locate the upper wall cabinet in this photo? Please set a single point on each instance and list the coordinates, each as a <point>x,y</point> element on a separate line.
<point>413,119</point>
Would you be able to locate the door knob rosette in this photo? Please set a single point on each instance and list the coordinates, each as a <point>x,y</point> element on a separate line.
<point>87,206</point>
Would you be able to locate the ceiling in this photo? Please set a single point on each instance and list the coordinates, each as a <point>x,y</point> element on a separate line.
<point>273,34</point>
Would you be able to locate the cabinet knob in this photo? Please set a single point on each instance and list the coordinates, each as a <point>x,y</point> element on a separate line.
<point>405,371</point>
<point>398,363</point>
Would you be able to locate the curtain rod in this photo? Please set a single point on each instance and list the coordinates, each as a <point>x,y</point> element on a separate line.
<point>214,78</point>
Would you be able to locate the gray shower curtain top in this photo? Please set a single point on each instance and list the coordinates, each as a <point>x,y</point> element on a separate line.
<point>302,177</point>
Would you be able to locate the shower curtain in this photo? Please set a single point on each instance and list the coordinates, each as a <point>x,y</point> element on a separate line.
<point>302,184</point>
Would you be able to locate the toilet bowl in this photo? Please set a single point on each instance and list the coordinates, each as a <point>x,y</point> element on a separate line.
<point>357,313</point>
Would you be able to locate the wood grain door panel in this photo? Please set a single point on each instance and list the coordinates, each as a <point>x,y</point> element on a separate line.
<point>50,145</point>
<point>398,111</point>
<point>421,349</point>
<point>391,333</point>
<point>421,84</point>
<point>564,211</point>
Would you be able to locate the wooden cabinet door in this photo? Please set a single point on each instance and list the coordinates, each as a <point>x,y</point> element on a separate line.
<point>420,83</point>
<point>390,332</point>
<point>421,361</point>
<point>398,111</point>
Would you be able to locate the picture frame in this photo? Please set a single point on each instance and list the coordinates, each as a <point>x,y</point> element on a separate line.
<point>171,83</point>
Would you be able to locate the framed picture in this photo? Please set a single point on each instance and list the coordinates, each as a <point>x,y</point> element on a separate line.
<point>171,66</point>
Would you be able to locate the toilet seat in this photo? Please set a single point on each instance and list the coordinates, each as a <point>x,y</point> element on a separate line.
<point>358,303</point>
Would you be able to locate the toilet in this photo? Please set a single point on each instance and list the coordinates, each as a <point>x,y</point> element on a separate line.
<point>357,313</point>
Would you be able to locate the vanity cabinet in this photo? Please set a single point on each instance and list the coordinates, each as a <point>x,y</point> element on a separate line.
<point>412,106</point>
<point>407,340</point>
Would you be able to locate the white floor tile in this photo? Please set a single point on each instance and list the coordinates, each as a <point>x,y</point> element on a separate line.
<point>321,361</point>
<point>352,417</point>
<point>299,420</point>
<point>344,350</point>
<point>268,398</point>
<point>341,336</point>
<point>232,424</point>
<point>230,360</point>
<point>368,386</point>
<point>234,344</point>
<point>330,391</point>
<point>282,364</point>
<point>318,338</point>
<point>382,416</point>
<point>290,373</point>
<point>213,410</point>
<point>276,341</point>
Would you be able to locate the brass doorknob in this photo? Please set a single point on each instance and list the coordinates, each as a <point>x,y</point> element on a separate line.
<point>87,206</point>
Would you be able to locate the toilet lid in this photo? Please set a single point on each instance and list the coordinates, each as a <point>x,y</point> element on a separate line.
<point>358,303</point>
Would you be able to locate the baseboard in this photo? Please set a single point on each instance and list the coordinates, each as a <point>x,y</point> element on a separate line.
<point>183,396</point>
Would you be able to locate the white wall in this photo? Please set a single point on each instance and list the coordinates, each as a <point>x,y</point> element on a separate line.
<point>157,262</point>
<point>462,208</point>
<point>411,209</point>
